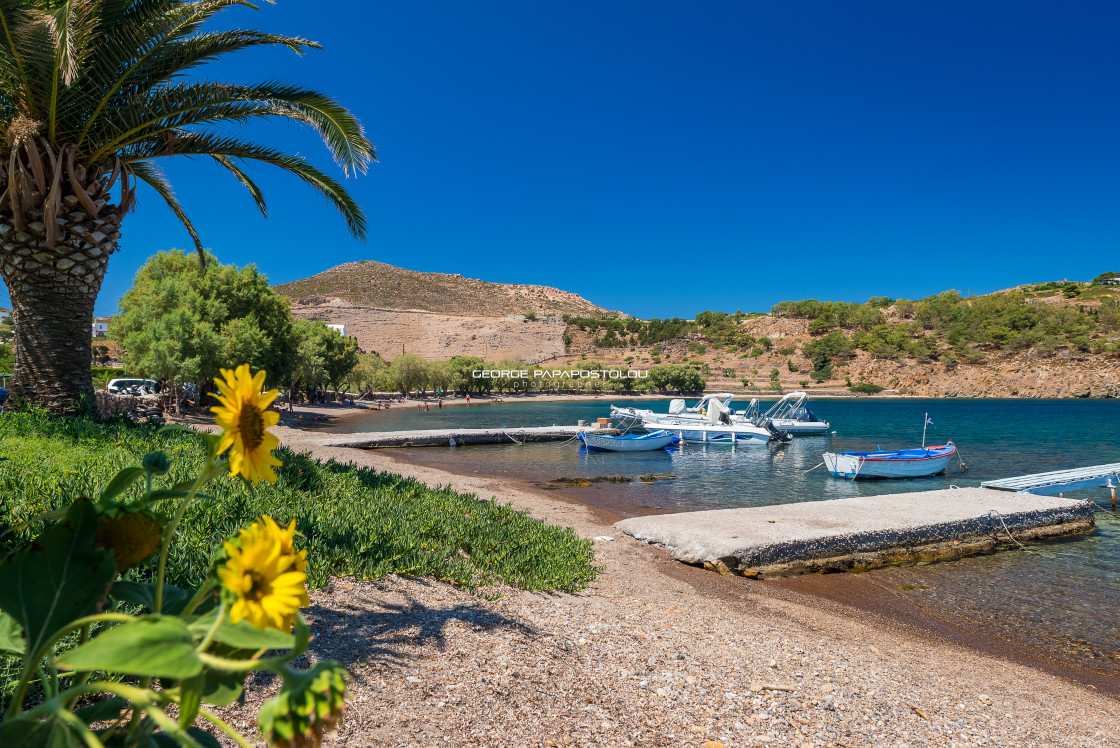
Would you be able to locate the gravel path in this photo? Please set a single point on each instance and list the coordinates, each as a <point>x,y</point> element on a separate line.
<point>660,654</point>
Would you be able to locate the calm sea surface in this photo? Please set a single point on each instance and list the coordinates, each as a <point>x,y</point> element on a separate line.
<point>1065,594</point>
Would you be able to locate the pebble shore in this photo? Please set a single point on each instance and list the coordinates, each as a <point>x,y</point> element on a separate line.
<point>656,653</point>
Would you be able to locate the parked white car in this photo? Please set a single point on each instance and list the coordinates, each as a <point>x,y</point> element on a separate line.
<point>123,386</point>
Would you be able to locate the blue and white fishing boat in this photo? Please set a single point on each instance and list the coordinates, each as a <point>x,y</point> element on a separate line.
<point>901,463</point>
<point>628,442</point>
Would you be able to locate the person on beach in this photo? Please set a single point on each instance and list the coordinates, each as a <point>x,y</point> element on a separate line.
<point>439,404</point>
<point>425,407</point>
<point>468,398</point>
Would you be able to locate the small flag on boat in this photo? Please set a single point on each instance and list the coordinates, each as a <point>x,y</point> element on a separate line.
<point>929,421</point>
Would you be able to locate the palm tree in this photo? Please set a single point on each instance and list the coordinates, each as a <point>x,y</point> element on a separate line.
<point>92,93</point>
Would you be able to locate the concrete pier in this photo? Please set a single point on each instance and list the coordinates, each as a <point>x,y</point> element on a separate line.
<point>861,533</point>
<point>458,437</point>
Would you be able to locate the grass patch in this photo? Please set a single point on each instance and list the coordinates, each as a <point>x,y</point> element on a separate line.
<point>355,521</point>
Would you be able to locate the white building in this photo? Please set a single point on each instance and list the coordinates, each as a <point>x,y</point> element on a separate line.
<point>100,327</point>
<point>5,313</point>
<point>341,329</point>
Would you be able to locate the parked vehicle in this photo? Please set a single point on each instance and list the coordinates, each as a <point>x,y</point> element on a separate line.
<point>126,386</point>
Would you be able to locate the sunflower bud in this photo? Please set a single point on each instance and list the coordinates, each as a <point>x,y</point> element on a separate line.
<point>156,463</point>
<point>131,534</point>
<point>309,705</point>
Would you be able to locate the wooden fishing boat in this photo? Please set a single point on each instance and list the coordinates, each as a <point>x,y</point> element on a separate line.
<point>628,442</point>
<point>902,463</point>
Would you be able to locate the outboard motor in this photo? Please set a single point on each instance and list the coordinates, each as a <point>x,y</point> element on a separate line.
<point>782,436</point>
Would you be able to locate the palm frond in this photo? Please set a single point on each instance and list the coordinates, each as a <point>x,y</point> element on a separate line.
<point>172,107</point>
<point>211,144</point>
<point>258,197</point>
<point>140,34</point>
<point>151,175</point>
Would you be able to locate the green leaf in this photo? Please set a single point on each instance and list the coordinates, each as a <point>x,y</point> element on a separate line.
<point>174,427</point>
<point>205,739</point>
<point>158,646</point>
<point>121,482</point>
<point>190,698</point>
<point>141,593</point>
<point>243,635</point>
<point>11,638</point>
<point>32,733</point>
<point>102,711</point>
<point>57,578</point>
<point>218,688</point>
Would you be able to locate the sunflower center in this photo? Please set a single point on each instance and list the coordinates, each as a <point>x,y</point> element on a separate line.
<point>251,425</point>
<point>259,589</point>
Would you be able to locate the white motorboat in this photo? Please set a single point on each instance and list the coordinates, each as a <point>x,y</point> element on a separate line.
<point>677,409</point>
<point>715,429</point>
<point>695,432</point>
<point>628,442</point>
<point>789,414</point>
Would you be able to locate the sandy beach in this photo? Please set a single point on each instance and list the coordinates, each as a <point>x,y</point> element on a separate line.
<point>656,653</point>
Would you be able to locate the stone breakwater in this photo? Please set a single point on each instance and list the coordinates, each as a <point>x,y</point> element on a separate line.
<point>862,533</point>
<point>459,437</point>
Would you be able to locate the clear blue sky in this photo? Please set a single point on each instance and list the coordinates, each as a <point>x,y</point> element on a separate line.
<point>666,158</point>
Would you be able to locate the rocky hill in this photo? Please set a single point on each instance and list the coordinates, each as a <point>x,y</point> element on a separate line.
<point>375,285</point>
<point>1058,339</point>
<point>1038,341</point>
<point>438,315</point>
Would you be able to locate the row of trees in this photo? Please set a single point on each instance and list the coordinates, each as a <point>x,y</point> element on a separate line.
<point>409,373</point>
<point>182,321</point>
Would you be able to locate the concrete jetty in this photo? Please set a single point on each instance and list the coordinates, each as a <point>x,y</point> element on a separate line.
<point>860,533</point>
<point>458,437</point>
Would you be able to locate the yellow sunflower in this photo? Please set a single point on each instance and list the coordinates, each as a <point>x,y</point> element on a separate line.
<point>244,419</point>
<point>286,537</point>
<point>267,584</point>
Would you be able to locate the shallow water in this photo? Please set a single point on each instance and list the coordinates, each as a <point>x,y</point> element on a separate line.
<point>1063,595</point>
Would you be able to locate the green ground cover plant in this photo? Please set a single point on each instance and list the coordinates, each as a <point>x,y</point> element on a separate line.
<point>355,521</point>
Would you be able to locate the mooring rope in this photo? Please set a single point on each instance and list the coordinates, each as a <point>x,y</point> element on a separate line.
<point>511,438</point>
<point>960,460</point>
<point>803,472</point>
<point>1000,517</point>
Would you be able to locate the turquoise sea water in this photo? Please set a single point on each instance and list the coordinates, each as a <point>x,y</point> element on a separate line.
<point>1065,595</point>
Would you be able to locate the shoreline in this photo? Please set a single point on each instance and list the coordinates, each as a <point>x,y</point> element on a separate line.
<point>868,593</point>
<point>659,653</point>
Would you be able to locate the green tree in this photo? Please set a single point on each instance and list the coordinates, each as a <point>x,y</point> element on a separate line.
<point>92,94</point>
<point>775,381</point>
<point>338,354</point>
<point>462,370</point>
<point>409,372</point>
<point>308,369</point>
<point>676,378</point>
<point>371,373</point>
<point>183,321</point>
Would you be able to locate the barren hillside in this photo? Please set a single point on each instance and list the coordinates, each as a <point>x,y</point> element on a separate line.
<point>391,310</point>
<point>375,285</point>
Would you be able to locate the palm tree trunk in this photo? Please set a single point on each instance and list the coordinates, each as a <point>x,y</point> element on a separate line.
<point>53,291</point>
